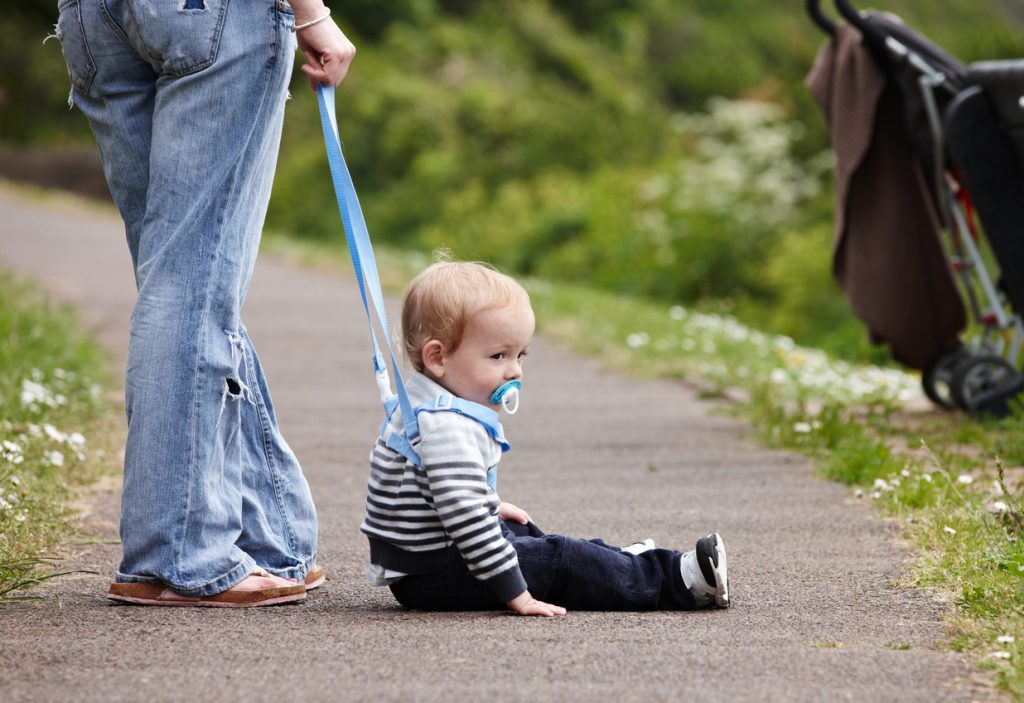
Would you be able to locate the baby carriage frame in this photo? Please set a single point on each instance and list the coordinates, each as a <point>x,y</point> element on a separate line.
<point>965,125</point>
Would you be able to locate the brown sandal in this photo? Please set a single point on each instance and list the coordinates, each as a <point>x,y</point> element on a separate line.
<point>315,577</point>
<point>238,596</point>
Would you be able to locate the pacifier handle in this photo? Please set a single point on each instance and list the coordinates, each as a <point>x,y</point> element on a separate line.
<point>507,394</point>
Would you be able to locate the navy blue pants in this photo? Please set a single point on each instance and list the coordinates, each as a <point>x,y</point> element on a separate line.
<point>574,573</point>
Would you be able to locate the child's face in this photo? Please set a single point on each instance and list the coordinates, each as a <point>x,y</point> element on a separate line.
<point>492,351</point>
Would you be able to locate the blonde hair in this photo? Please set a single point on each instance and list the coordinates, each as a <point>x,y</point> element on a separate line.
<point>444,296</point>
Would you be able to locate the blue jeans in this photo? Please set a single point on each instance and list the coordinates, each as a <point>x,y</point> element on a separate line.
<point>186,100</point>
<point>574,573</point>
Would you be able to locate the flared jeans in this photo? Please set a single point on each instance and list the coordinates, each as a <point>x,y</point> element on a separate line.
<point>186,101</point>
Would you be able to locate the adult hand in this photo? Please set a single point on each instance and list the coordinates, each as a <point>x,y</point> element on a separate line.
<point>513,513</point>
<point>525,604</point>
<point>328,51</point>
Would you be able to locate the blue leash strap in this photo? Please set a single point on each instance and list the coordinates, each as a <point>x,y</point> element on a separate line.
<point>365,265</point>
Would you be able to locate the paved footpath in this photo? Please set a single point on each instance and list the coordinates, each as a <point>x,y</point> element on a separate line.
<point>816,616</point>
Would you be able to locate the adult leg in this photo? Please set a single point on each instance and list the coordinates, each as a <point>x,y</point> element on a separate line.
<point>217,107</point>
<point>279,525</point>
<point>115,88</point>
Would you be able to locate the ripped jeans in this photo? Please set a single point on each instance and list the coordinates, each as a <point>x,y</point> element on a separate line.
<point>186,100</point>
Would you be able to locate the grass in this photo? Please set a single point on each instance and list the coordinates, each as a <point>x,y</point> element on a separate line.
<point>954,483</point>
<point>54,431</point>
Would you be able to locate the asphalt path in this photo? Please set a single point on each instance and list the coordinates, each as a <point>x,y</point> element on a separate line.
<point>821,611</point>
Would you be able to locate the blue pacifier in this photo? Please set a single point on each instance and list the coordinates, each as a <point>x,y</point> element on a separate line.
<point>507,395</point>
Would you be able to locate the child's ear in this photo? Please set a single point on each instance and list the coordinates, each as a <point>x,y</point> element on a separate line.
<point>433,358</point>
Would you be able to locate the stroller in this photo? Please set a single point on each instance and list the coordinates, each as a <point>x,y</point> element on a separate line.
<point>942,148</point>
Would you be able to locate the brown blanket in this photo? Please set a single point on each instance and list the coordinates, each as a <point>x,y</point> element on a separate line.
<point>887,255</point>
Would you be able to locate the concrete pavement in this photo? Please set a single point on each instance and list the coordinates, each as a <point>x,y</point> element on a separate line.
<point>816,614</point>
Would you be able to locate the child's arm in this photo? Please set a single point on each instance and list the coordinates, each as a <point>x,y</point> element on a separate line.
<point>525,604</point>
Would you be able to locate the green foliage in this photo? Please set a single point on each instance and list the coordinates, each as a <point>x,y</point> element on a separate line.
<point>587,141</point>
<point>34,81</point>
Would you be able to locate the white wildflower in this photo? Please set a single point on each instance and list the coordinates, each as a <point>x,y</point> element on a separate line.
<point>11,452</point>
<point>905,473</point>
<point>54,458</point>
<point>999,507</point>
<point>965,479</point>
<point>677,312</point>
<point>1001,654</point>
<point>637,340</point>
<point>926,477</point>
<point>949,530</point>
<point>75,439</point>
<point>34,394</point>
<point>1005,639</point>
<point>802,427</point>
<point>53,433</point>
<point>785,343</point>
<point>881,484</point>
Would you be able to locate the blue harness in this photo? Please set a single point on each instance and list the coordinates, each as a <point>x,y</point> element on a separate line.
<point>365,265</point>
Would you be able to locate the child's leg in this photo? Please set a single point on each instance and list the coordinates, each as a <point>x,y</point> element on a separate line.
<point>591,575</point>
<point>531,530</point>
<point>574,573</point>
<point>454,588</point>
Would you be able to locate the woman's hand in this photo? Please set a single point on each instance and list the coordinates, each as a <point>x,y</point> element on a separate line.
<point>328,51</point>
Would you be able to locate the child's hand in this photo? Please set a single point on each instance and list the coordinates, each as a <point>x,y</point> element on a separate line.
<point>512,513</point>
<point>525,604</point>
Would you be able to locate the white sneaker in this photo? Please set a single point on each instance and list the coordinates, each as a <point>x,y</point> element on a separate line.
<point>644,545</point>
<point>705,572</point>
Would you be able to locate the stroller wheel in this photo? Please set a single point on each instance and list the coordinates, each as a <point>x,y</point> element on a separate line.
<point>937,379</point>
<point>985,383</point>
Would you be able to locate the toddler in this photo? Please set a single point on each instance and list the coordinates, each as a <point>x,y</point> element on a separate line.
<point>439,535</point>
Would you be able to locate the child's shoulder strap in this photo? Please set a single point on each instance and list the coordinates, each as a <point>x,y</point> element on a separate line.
<point>446,402</point>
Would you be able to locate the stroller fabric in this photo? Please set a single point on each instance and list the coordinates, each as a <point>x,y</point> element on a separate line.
<point>887,255</point>
<point>989,167</point>
<point>1003,82</point>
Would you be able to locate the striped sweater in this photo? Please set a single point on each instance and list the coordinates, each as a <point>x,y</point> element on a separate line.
<point>416,516</point>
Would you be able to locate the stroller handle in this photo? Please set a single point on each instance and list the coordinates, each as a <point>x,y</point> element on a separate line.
<point>814,10</point>
<point>872,36</point>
